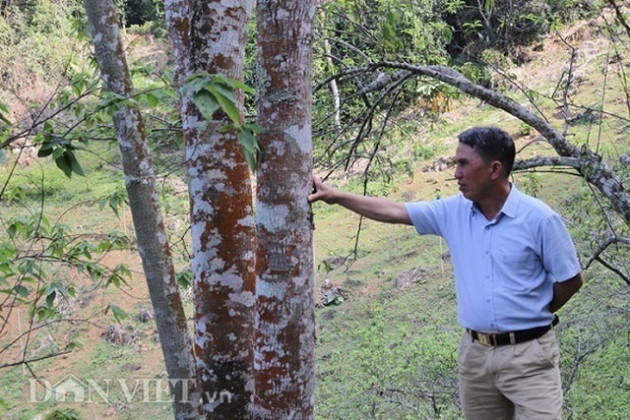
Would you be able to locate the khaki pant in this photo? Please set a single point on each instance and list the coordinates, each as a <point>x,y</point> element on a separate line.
<point>520,381</point>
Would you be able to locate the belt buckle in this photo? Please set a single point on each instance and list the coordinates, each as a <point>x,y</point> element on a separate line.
<point>486,339</point>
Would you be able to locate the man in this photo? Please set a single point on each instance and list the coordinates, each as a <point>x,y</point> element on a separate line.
<point>514,264</point>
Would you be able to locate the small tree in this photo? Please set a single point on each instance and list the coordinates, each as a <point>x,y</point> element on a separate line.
<point>145,208</point>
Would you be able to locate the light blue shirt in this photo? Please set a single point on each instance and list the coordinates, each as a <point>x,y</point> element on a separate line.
<point>504,268</point>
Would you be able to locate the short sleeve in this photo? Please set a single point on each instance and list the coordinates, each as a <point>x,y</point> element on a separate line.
<point>429,217</point>
<point>558,251</point>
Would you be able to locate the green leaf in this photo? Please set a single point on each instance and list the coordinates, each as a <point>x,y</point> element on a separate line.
<point>227,101</point>
<point>196,83</point>
<point>42,312</point>
<point>250,148</point>
<point>184,278</point>
<point>62,290</point>
<point>532,95</point>
<point>45,150</point>
<point>4,109</point>
<point>113,204</point>
<point>74,345</point>
<point>21,290</point>
<point>44,220</point>
<point>57,153</point>
<point>74,164</point>
<point>12,230</point>
<point>206,103</point>
<point>237,84</point>
<point>389,35</point>
<point>77,87</point>
<point>118,313</point>
<point>247,140</point>
<point>225,90</point>
<point>119,275</point>
<point>95,271</point>
<point>256,129</point>
<point>152,99</point>
<point>252,161</point>
<point>68,163</point>
<point>50,299</point>
<point>220,78</point>
<point>211,91</point>
<point>63,164</point>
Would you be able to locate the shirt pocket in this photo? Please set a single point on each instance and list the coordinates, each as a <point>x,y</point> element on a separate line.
<point>520,268</point>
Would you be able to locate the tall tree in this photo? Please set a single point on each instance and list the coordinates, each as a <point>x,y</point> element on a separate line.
<point>145,208</point>
<point>209,38</point>
<point>285,333</point>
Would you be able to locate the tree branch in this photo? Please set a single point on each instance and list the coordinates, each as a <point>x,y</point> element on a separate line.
<point>35,359</point>
<point>613,267</point>
<point>608,242</point>
<point>539,161</point>
<point>620,17</point>
<point>592,167</point>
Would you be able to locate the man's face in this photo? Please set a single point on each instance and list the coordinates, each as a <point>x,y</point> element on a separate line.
<point>473,174</point>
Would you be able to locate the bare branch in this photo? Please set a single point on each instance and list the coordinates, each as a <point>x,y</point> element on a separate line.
<point>620,17</point>
<point>623,78</point>
<point>381,82</point>
<point>538,161</point>
<point>37,121</point>
<point>368,120</point>
<point>614,268</point>
<point>35,359</point>
<point>608,242</point>
<point>340,76</point>
<point>375,150</point>
<point>565,95</point>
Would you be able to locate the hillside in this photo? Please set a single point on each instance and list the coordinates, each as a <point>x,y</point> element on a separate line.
<point>387,348</point>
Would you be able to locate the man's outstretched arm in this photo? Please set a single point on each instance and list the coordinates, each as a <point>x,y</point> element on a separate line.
<point>375,208</point>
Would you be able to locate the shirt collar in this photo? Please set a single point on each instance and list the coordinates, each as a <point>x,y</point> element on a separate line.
<point>511,202</point>
<point>509,207</point>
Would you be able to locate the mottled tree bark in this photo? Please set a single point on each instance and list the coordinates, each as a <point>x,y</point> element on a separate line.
<point>145,209</point>
<point>210,36</point>
<point>285,334</point>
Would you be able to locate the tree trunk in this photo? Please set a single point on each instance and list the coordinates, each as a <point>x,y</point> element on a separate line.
<point>210,36</point>
<point>145,209</point>
<point>285,334</point>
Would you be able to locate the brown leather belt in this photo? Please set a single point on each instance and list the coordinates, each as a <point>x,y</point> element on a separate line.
<point>514,337</point>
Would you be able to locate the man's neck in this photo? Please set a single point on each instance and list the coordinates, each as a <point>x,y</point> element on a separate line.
<point>491,206</point>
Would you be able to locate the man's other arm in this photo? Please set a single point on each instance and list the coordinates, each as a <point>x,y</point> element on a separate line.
<point>563,291</point>
<point>375,208</point>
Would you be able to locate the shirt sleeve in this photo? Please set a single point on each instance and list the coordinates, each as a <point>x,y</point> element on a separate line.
<point>558,251</point>
<point>429,217</point>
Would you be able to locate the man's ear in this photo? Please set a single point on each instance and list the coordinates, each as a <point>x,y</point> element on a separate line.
<point>497,169</point>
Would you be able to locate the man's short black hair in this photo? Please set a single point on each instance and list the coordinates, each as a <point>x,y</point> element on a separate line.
<point>491,143</point>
